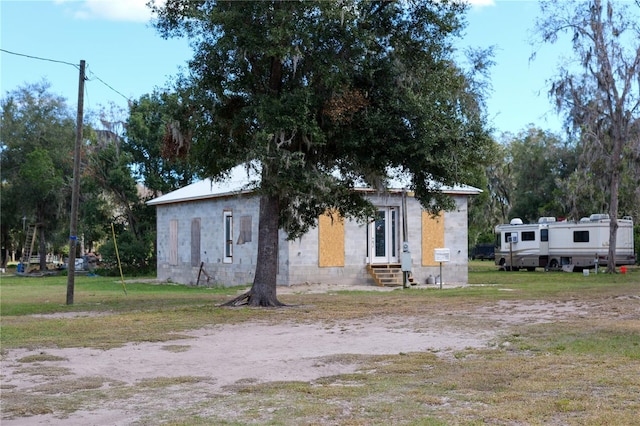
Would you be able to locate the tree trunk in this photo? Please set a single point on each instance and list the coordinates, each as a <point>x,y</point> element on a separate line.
<point>263,290</point>
<point>613,208</point>
<point>6,243</point>
<point>42,248</point>
<point>42,245</point>
<point>264,283</point>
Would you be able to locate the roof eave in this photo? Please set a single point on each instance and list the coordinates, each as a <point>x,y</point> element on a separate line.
<point>159,201</point>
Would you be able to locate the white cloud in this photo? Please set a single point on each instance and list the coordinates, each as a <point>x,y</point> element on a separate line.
<point>110,10</point>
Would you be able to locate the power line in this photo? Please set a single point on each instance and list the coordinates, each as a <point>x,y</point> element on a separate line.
<point>105,83</point>
<point>76,66</point>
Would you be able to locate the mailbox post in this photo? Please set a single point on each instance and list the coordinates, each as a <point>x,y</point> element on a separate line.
<point>405,263</point>
<point>441,255</point>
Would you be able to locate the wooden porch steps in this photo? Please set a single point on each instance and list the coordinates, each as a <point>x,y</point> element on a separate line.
<point>388,275</point>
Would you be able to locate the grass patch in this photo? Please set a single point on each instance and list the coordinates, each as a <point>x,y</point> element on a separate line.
<point>602,338</point>
<point>482,272</point>
<point>34,313</point>
<point>41,357</point>
<point>176,348</point>
<point>47,295</point>
<point>163,382</point>
<point>70,386</point>
<point>45,371</point>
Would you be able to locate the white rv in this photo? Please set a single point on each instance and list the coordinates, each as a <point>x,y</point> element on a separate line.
<point>552,244</point>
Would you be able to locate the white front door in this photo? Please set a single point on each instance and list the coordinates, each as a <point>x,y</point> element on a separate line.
<point>383,236</point>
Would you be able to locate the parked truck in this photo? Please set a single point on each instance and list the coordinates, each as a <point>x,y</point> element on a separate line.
<point>552,244</point>
<point>483,251</point>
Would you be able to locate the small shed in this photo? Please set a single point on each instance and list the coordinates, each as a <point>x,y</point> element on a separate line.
<point>210,229</point>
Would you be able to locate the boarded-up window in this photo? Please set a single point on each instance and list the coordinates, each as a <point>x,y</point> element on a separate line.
<point>173,242</point>
<point>195,242</point>
<point>330,240</point>
<point>245,230</point>
<point>432,237</point>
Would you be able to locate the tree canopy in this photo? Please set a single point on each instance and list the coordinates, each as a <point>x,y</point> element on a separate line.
<point>322,97</point>
<point>36,158</point>
<point>146,128</point>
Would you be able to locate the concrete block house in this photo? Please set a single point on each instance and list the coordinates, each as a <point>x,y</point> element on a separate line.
<point>211,229</point>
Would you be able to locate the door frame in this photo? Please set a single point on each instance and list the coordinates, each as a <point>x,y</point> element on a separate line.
<point>388,236</point>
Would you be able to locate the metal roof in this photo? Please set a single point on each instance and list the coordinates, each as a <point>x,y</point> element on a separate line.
<point>242,180</point>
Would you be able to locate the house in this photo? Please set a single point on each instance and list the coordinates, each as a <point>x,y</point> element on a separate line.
<point>210,229</point>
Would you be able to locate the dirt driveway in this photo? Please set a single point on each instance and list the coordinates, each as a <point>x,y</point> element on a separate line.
<point>219,356</point>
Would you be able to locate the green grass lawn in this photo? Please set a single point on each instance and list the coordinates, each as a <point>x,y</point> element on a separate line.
<point>183,307</point>
<point>28,305</point>
<point>580,370</point>
<point>42,295</point>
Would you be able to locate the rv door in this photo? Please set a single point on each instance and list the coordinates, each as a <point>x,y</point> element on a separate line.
<point>544,246</point>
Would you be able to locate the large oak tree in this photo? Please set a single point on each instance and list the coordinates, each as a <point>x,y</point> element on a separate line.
<point>321,97</point>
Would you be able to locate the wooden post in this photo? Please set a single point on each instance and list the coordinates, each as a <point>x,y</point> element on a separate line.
<point>75,192</point>
<point>199,272</point>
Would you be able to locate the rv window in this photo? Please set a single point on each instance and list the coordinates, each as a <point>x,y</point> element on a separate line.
<point>528,236</point>
<point>507,235</point>
<point>544,235</point>
<point>580,236</point>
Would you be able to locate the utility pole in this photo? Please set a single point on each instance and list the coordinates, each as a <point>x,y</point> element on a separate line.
<point>75,192</point>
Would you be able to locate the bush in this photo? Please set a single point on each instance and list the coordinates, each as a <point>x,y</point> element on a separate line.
<point>136,256</point>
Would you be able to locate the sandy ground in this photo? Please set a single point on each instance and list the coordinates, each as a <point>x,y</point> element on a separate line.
<point>223,355</point>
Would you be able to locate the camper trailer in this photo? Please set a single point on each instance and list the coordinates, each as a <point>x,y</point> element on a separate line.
<point>571,245</point>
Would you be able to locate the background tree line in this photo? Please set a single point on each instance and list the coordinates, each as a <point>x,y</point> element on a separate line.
<point>538,173</point>
<point>532,174</point>
<point>121,168</point>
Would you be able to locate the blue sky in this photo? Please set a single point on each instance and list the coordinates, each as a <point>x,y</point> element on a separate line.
<point>123,51</point>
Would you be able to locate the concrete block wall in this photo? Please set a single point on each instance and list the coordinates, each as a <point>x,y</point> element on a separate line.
<point>304,252</point>
<point>456,237</point>
<point>210,212</point>
<point>298,259</point>
<point>304,266</point>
